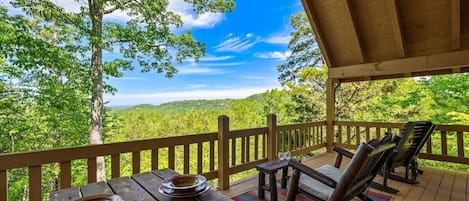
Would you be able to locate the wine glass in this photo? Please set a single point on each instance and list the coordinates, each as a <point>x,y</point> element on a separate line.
<point>281,156</point>
<point>287,155</point>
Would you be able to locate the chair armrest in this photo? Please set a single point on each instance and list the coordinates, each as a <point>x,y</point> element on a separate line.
<point>341,152</point>
<point>312,173</point>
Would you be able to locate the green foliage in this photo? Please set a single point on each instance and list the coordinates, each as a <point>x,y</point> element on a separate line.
<point>304,48</point>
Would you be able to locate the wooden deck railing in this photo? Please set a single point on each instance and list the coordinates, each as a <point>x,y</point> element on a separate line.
<point>302,138</point>
<point>229,152</point>
<point>447,142</point>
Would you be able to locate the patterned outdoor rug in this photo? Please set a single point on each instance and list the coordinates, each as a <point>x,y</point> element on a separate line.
<point>282,195</point>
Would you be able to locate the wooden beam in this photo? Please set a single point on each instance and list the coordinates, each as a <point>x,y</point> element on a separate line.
<point>309,9</point>
<point>440,61</point>
<point>456,24</point>
<point>355,37</point>
<point>396,27</point>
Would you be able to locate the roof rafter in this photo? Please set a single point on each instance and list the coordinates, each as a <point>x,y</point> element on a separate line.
<point>397,28</point>
<point>456,24</point>
<point>308,6</point>
<point>356,36</point>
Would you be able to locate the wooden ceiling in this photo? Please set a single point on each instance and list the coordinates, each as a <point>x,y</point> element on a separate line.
<point>380,39</point>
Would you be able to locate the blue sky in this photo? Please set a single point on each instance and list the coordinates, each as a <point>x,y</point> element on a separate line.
<point>243,49</point>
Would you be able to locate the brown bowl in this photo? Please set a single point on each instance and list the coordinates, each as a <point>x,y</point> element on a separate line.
<point>185,182</point>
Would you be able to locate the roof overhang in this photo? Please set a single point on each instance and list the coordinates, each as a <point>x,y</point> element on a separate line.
<point>381,39</point>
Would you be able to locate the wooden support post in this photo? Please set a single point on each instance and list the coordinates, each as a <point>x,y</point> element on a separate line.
<point>3,185</point>
<point>223,152</point>
<point>330,105</point>
<point>272,137</point>
<point>35,190</point>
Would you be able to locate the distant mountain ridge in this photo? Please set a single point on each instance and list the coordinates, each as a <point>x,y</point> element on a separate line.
<point>186,105</point>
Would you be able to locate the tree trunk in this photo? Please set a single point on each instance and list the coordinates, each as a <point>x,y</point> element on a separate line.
<point>95,137</point>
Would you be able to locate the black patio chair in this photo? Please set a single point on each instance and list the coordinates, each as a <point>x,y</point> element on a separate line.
<point>413,137</point>
<point>332,184</point>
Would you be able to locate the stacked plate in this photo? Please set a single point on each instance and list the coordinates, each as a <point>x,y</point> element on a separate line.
<point>184,186</point>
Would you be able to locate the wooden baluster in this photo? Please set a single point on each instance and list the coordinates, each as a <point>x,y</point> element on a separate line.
<point>248,148</point>
<point>186,159</point>
<point>357,135</point>
<point>136,162</point>
<point>367,134</point>
<point>322,135</point>
<point>429,144</point>
<point>243,150</point>
<point>284,141</point>
<point>115,165</point>
<point>460,140</point>
<point>92,170</point>
<point>349,135</point>
<point>318,135</point>
<point>378,133</point>
<point>339,134</point>
<point>233,151</point>
<point>300,140</point>
<point>223,153</point>
<point>171,160</point>
<point>264,146</point>
<point>200,157</point>
<point>65,175</point>
<point>154,159</point>
<point>212,155</point>
<point>3,185</point>
<point>444,143</point>
<point>308,133</point>
<point>35,190</point>
<point>256,147</point>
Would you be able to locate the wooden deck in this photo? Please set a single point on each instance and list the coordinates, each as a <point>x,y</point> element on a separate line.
<point>435,184</point>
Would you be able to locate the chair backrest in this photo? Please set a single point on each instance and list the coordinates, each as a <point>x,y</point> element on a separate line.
<point>414,136</point>
<point>362,169</point>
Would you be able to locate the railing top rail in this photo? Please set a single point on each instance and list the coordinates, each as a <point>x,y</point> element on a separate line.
<point>369,124</point>
<point>300,125</point>
<point>248,132</point>
<point>25,159</point>
<point>441,127</point>
<point>458,128</point>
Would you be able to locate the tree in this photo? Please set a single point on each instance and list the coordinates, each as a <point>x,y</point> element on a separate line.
<point>148,39</point>
<point>305,75</point>
<point>304,50</point>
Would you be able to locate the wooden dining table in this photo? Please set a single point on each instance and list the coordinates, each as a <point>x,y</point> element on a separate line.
<point>141,187</point>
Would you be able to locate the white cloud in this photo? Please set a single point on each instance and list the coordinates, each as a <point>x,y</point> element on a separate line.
<point>274,55</point>
<point>180,7</point>
<point>282,39</point>
<point>195,69</point>
<point>237,44</point>
<point>190,19</point>
<point>215,58</point>
<point>161,97</point>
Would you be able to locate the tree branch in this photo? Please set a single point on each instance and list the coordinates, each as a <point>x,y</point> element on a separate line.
<point>110,10</point>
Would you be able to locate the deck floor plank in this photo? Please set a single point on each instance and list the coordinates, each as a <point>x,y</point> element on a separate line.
<point>435,184</point>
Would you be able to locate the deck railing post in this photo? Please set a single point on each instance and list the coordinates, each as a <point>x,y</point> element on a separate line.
<point>223,152</point>
<point>271,137</point>
<point>330,106</point>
